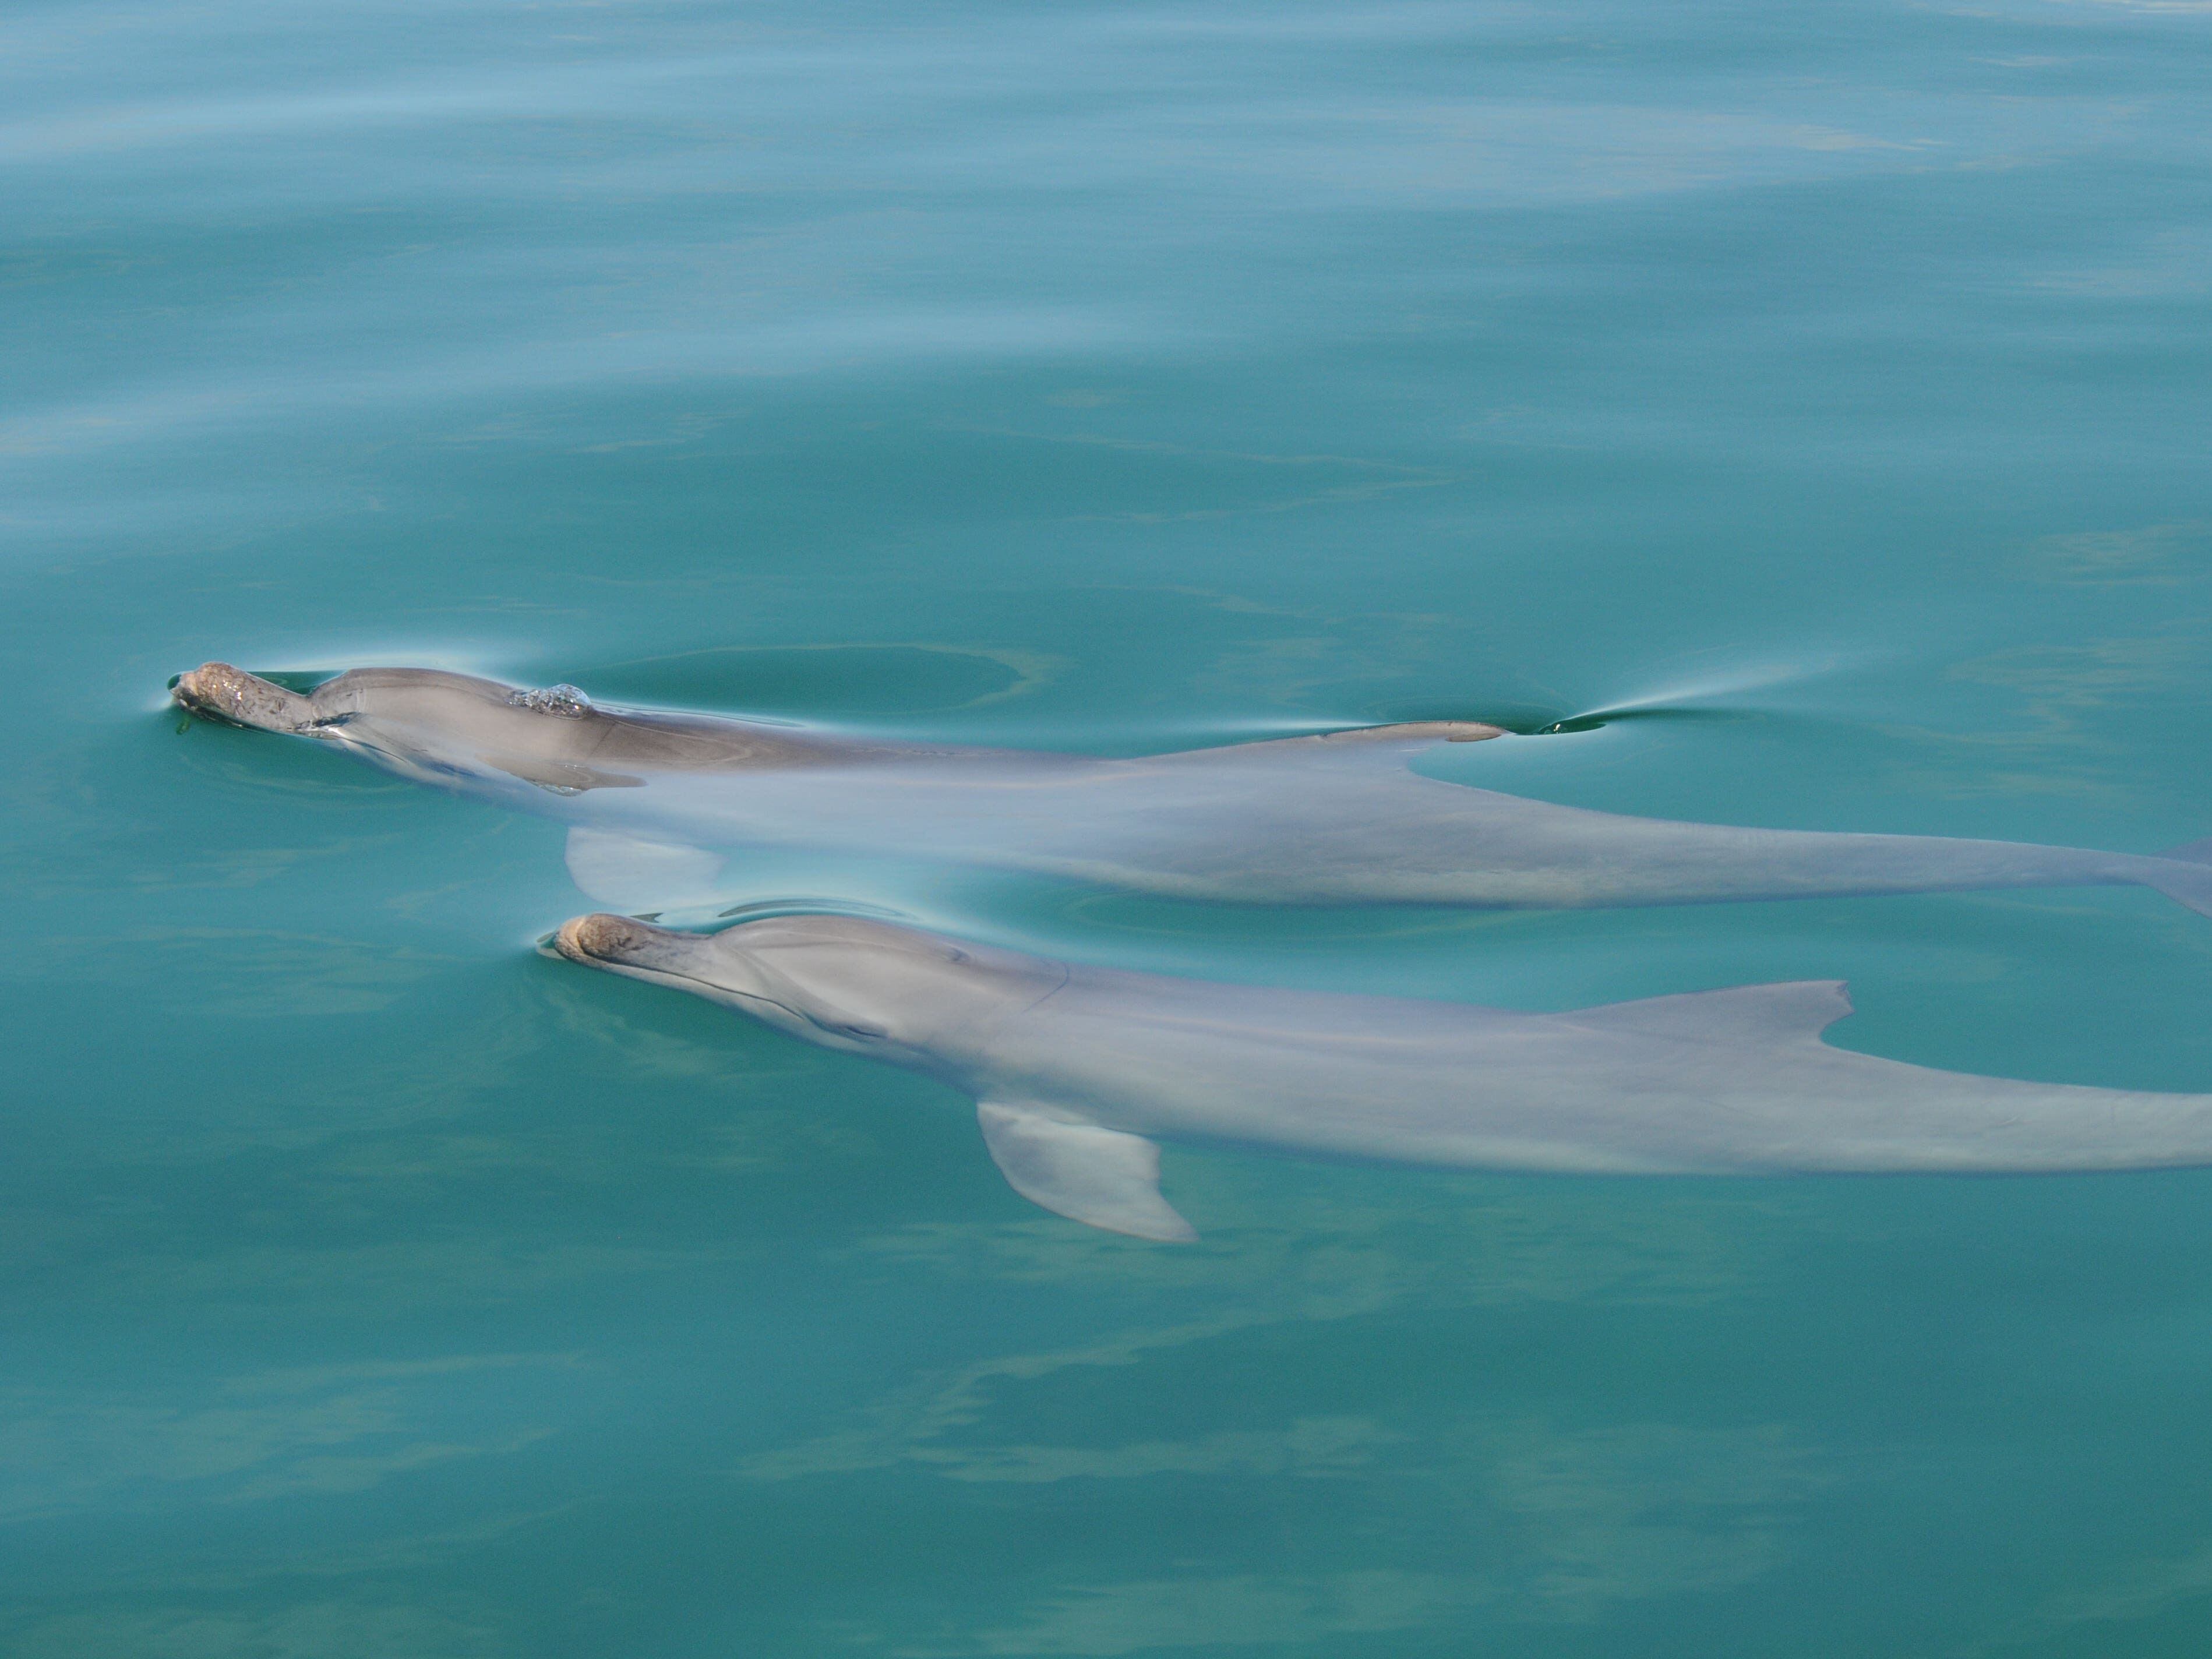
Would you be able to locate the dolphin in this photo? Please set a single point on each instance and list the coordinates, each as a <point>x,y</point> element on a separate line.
<point>655,799</point>
<point>1078,1071</point>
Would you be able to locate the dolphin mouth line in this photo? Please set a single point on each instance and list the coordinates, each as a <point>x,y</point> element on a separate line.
<point>754,996</point>
<point>693,979</point>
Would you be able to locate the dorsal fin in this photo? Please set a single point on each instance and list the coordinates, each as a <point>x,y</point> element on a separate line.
<point>1371,745</point>
<point>1795,1010</point>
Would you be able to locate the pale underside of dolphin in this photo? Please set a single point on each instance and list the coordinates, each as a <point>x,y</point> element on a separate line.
<point>655,801</point>
<point>1078,1071</point>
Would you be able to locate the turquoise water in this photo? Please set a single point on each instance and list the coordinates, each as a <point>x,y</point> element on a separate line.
<point>1823,386</point>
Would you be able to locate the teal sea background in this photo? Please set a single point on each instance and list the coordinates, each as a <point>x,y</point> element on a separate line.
<point>1821,390</point>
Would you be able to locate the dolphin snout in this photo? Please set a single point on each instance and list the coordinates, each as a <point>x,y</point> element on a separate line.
<point>217,692</point>
<point>601,937</point>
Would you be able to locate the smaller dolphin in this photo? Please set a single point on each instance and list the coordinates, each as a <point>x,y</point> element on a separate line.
<point>1076,1071</point>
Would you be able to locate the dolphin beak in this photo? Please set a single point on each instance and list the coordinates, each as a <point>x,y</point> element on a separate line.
<point>592,940</point>
<point>216,691</point>
<point>689,962</point>
<point>601,941</point>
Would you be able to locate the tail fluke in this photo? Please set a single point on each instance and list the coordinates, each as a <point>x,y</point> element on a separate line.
<point>2184,874</point>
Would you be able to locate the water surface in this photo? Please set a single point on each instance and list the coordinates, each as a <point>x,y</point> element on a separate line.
<point>1824,387</point>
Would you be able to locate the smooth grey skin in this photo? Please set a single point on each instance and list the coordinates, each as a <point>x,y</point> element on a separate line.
<point>655,799</point>
<point>1078,1071</point>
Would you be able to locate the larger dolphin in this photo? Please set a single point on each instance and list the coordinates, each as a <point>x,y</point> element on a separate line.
<point>655,799</point>
<point>1079,1070</point>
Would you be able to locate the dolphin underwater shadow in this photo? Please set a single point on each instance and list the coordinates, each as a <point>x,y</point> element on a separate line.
<point>655,799</point>
<point>1078,1071</point>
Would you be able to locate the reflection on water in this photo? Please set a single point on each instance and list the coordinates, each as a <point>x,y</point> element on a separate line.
<point>1109,382</point>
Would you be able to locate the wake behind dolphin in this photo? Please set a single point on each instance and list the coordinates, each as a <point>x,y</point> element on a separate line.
<point>1078,1071</point>
<point>655,800</point>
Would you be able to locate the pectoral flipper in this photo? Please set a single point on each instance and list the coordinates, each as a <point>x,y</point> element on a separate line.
<point>1101,1177</point>
<point>633,873</point>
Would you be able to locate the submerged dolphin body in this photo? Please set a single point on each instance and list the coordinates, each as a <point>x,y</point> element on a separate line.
<point>655,799</point>
<point>1076,1071</point>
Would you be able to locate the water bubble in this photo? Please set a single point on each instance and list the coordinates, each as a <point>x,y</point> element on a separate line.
<point>565,701</point>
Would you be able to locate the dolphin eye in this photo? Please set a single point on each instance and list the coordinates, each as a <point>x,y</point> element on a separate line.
<point>854,1028</point>
<point>952,954</point>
